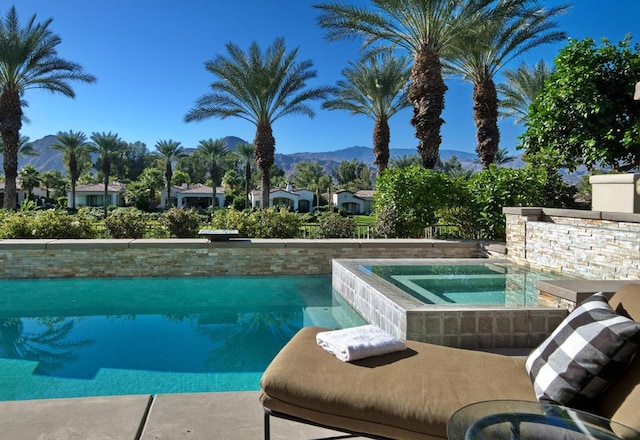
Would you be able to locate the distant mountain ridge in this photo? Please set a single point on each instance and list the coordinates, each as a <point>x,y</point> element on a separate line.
<point>52,159</point>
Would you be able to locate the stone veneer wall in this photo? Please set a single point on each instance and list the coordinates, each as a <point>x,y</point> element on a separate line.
<point>198,257</point>
<point>590,244</point>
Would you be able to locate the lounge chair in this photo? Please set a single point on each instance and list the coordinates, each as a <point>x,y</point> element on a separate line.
<point>411,394</point>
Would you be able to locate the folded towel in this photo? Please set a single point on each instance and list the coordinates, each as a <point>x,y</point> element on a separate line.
<point>355,343</point>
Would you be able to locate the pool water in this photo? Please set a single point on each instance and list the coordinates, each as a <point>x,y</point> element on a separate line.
<point>496,284</point>
<point>89,337</point>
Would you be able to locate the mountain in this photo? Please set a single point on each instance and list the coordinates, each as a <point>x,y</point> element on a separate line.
<point>52,159</point>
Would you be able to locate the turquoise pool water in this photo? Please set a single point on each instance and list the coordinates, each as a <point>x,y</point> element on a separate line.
<point>89,337</point>
<point>491,283</point>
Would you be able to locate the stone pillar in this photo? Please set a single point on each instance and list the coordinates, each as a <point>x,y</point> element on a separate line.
<point>615,193</point>
<point>516,231</point>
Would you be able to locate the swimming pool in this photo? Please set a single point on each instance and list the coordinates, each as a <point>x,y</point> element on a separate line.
<point>465,283</point>
<point>90,337</point>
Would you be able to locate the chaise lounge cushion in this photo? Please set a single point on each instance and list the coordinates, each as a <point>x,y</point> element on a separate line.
<point>409,394</point>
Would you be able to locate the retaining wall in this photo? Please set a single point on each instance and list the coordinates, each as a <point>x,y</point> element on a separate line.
<point>590,244</point>
<point>198,257</point>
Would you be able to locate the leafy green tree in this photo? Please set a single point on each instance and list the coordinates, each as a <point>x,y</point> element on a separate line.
<point>407,199</point>
<point>136,159</point>
<point>232,179</point>
<point>193,165</point>
<point>425,29</point>
<point>179,177</point>
<point>109,147</point>
<point>245,154</point>
<point>312,177</point>
<point>259,87</point>
<point>515,27</point>
<point>375,87</point>
<point>28,60</point>
<point>353,175</point>
<point>29,178</point>
<point>586,113</point>
<point>169,151</point>
<point>214,153</point>
<point>520,89</point>
<point>76,151</point>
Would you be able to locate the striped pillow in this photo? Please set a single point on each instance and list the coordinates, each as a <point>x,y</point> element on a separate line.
<point>589,350</point>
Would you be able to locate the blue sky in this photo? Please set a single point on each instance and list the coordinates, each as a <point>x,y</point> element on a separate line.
<point>149,59</point>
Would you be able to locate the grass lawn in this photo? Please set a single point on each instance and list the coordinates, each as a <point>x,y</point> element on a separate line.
<point>365,219</point>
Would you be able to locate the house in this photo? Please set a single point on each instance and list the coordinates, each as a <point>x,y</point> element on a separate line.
<point>300,200</point>
<point>93,195</point>
<point>20,194</point>
<point>360,202</point>
<point>192,196</point>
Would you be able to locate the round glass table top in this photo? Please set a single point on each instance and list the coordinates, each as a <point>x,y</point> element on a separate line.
<point>516,419</point>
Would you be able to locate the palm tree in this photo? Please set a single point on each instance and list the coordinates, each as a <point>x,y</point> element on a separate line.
<point>214,153</point>
<point>151,179</point>
<point>29,178</point>
<point>260,87</point>
<point>375,87</point>
<point>52,179</point>
<point>516,26</point>
<point>245,153</point>
<point>25,148</point>
<point>521,88</point>
<point>169,151</point>
<point>109,147</point>
<point>76,156</point>
<point>424,28</point>
<point>28,60</point>
<point>405,161</point>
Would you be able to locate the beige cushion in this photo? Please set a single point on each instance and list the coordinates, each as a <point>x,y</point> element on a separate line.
<point>409,394</point>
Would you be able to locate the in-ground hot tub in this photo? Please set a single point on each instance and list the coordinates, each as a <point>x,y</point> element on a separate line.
<point>470,303</point>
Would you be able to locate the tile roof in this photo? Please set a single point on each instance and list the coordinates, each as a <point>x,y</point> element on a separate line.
<point>99,187</point>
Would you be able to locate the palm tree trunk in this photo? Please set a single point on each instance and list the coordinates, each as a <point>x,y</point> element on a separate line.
<point>106,168</point>
<point>264,150</point>
<point>247,183</point>
<point>168,173</point>
<point>381,137</point>
<point>10,124</point>
<point>73,171</point>
<point>485,116</point>
<point>426,93</point>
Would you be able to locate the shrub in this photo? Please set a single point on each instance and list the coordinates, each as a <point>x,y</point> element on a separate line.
<point>409,197</point>
<point>269,223</point>
<point>181,223</point>
<point>46,224</point>
<point>332,225</point>
<point>126,223</point>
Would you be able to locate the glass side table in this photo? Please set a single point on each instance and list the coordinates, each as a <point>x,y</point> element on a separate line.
<point>522,420</point>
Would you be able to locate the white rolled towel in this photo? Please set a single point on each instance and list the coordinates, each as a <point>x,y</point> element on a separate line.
<point>355,343</point>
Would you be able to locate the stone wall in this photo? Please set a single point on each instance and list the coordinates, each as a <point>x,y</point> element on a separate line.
<point>589,244</point>
<point>198,257</point>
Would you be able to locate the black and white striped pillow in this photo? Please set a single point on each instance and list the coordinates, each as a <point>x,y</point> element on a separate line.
<point>584,355</point>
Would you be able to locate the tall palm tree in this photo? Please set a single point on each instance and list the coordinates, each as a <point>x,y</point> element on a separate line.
<point>76,155</point>
<point>520,89</point>
<point>214,153</point>
<point>516,26</point>
<point>424,28</point>
<point>245,153</point>
<point>28,60</point>
<point>109,147</point>
<point>29,177</point>
<point>169,151</point>
<point>259,87</point>
<point>375,87</point>
<point>52,179</point>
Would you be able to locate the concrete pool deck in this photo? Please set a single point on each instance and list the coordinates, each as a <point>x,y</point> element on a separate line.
<point>198,416</point>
